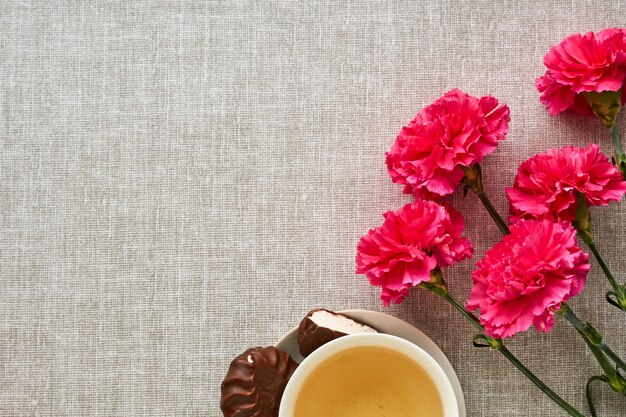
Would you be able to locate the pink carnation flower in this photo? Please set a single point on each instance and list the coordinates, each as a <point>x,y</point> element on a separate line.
<point>583,63</point>
<point>529,272</point>
<point>456,130</point>
<point>409,244</point>
<point>546,184</point>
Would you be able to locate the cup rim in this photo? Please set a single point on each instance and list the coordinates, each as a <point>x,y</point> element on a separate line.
<point>397,344</point>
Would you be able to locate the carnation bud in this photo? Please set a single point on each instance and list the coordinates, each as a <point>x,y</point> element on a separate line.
<point>605,105</point>
<point>619,160</point>
<point>436,283</point>
<point>473,178</point>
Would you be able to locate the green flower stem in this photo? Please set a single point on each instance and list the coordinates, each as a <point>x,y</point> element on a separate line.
<point>582,223</point>
<point>603,265</point>
<point>619,159</point>
<point>618,290</point>
<point>493,213</point>
<point>543,387</point>
<point>497,344</point>
<point>590,335</point>
<point>461,309</point>
<point>617,143</point>
<point>473,180</point>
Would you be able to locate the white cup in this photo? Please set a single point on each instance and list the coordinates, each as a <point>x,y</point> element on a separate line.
<point>408,349</point>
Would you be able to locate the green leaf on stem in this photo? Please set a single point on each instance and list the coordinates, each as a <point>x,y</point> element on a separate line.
<point>592,408</point>
<point>617,300</point>
<point>481,340</point>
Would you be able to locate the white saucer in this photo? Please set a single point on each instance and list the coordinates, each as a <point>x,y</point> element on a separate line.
<point>390,325</point>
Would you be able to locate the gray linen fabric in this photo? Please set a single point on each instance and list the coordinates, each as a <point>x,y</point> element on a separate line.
<point>182,180</point>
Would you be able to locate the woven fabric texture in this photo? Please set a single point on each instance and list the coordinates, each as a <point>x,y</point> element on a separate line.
<point>182,180</point>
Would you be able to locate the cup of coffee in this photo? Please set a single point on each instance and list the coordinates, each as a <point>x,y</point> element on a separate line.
<point>369,375</point>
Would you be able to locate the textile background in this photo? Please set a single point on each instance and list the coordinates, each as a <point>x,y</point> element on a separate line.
<point>182,180</point>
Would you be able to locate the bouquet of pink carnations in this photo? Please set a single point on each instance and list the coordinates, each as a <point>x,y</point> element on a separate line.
<point>530,275</point>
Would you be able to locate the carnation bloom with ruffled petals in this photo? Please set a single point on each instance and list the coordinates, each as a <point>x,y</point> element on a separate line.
<point>527,275</point>
<point>456,130</point>
<point>583,63</point>
<point>546,184</point>
<point>409,244</point>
